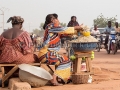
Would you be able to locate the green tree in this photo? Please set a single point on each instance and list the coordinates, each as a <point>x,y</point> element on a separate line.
<point>101,21</point>
<point>36,31</point>
<point>41,26</point>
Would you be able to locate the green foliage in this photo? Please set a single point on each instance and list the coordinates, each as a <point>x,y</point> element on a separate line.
<point>41,26</point>
<point>36,31</point>
<point>102,21</point>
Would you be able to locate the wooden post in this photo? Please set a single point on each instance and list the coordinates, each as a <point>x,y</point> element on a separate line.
<point>3,74</point>
<point>87,64</point>
<point>78,65</point>
<point>90,65</point>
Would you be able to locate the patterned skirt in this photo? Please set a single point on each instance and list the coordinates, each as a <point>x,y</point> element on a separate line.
<point>62,62</point>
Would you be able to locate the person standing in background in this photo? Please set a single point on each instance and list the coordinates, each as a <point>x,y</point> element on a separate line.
<point>73,22</point>
<point>95,31</point>
<point>117,28</point>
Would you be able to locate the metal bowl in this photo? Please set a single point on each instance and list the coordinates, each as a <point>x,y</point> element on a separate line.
<point>84,46</point>
<point>35,76</point>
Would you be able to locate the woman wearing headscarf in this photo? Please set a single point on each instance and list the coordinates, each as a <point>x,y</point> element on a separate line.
<point>16,46</point>
<point>73,22</point>
<point>49,53</point>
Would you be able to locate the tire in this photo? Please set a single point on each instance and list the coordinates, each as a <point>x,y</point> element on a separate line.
<point>98,47</point>
<point>116,49</point>
<point>113,48</point>
<point>108,51</point>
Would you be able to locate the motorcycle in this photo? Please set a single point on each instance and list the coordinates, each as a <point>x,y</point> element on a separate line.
<point>118,40</point>
<point>98,37</point>
<point>112,43</point>
<point>103,36</point>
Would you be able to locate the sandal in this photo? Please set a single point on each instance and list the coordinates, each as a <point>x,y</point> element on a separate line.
<point>56,84</point>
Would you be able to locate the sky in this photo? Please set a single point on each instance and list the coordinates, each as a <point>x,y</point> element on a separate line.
<point>35,11</point>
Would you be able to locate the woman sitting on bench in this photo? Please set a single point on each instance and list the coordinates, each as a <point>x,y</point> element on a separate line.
<point>49,52</point>
<point>15,44</point>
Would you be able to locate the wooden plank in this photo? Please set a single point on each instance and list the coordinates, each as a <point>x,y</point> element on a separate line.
<point>83,53</point>
<point>80,55</point>
<point>50,68</point>
<point>34,64</point>
<point>84,73</point>
<point>7,65</point>
<point>3,74</point>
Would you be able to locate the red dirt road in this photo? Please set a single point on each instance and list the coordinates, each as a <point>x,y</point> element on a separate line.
<point>108,79</point>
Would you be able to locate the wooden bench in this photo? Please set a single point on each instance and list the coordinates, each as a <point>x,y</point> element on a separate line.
<point>15,67</point>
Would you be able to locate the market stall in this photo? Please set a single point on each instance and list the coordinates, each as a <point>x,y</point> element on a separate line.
<point>83,48</point>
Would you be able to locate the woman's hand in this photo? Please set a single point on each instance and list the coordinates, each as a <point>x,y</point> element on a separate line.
<point>78,28</point>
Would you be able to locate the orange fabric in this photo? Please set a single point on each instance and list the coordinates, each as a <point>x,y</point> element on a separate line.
<point>18,50</point>
<point>57,39</point>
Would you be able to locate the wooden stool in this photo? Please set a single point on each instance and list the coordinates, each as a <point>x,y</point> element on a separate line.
<point>77,62</point>
<point>77,73</point>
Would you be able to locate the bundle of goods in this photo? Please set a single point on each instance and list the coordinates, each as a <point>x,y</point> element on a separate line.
<point>85,42</point>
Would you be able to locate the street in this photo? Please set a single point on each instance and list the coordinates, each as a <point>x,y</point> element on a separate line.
<point>107,79</point>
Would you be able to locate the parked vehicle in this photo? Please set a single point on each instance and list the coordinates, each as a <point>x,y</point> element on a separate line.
<point>102,30</point>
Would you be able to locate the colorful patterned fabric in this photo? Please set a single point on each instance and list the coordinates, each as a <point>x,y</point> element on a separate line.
<point>51,45</point>
<point>53,58</point>
<point>65,76</point>
<point>18,50</point>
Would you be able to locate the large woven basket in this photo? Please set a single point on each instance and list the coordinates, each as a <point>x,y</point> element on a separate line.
<point>83,46</point>
<point>80,79</point>
<point>35,76</point>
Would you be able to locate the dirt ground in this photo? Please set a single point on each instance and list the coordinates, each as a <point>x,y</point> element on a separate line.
<point>107,78</point>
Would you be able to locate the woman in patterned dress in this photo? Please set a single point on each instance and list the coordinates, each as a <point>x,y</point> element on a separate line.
<point>52,43</point>
<point>16,46</point>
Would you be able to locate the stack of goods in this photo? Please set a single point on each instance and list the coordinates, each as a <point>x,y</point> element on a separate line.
<point>85,42</point>
<point>85,37</point>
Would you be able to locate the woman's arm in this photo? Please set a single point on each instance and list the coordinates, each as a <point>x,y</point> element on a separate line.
<point>66,30</point>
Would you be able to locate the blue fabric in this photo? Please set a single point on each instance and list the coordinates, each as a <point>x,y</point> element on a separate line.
<point>113,36</point>
<point>54,30</point>
<point>107,29</point>
<point>57,30</point>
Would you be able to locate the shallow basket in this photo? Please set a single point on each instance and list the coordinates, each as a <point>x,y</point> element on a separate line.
<point>80,79</point>
<point>35,76</point>
<point>84,46</point>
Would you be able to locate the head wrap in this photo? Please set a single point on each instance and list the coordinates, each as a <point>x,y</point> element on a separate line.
<point>15,20</point>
